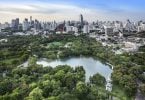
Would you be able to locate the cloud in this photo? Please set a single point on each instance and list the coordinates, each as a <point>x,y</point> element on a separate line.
<point>51,10</point>
<point>60,12</point>
<point>33,8</point>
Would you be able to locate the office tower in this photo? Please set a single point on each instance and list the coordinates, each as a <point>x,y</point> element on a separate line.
<point>6,25</point>
<point>37,25</point>
<point>30,18</point>
<point>0,27</point>
<point>15,24</point>
<point>86,29</point>
<point>129,26</point>
<point>43,25</point>
<point>31,21</point>
<point>108,31</point>
<point>25,25</point>
<point>81,22</point>
<point>53,26</point>
<point>141,27</point>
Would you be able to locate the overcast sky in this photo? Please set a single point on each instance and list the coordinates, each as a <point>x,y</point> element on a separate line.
<point>59,10</point>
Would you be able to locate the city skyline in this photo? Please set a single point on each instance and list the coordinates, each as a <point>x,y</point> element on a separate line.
<point>59,10</point>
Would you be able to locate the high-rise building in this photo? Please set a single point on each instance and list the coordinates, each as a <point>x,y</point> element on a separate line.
<point>53,26</point>
<point>108,31</point>
<point>31,21</point>
<point>129,26</point>
<point>81,22</point>
<point>25,25</point>
<point>15,24</point>
<point>37,25</point>
<point>6,25</point>
<point>30,18</point>
<point>141,27</point>
<point>0,27</point>
<point>86,29</point>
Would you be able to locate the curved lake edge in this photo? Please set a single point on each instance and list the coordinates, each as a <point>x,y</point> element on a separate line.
<point>109,83</point>
<point>95,58</point>
<point>50,62</point>
<point>108,69</point>
<point>25,64</point>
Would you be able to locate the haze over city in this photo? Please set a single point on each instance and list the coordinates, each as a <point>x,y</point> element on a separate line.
<point>59,10</point>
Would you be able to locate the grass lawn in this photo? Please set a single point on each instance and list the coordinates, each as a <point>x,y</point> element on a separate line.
<point>54,44</point>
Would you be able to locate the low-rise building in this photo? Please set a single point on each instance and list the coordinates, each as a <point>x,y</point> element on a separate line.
<point>130,47</point>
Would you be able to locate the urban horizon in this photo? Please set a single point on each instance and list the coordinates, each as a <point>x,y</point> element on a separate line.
<point>77,20</point>
<point>58,21</point>
<point>71,25</point>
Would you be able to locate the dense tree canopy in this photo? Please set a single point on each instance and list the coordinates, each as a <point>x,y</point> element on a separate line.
<point>62,82</point>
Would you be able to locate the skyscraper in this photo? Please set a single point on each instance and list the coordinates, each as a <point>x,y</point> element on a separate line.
<point>37,25</point>
<point>86,29</point>
<point>15,24</point>
<point>30,20</point>
<point>81,20</point>
<point>25,25</point>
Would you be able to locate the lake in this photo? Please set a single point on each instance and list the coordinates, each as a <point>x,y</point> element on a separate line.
<point>90,65</point>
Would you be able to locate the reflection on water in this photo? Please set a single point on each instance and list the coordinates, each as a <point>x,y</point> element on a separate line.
<point>90,65</point>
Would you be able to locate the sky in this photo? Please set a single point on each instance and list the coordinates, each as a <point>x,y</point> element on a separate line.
<point>59,10</point>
